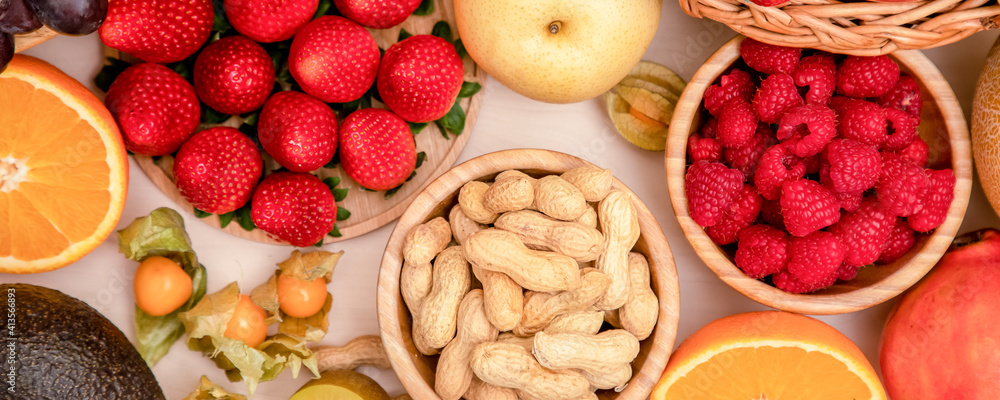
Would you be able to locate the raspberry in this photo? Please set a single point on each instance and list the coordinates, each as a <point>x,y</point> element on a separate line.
<point>769,3</point>
<point>710,188</point>
<point>703,149</point>
<point>861,77</point>
<point>904,96</point>
<point>902,129</point>
<point>770,213</point>
<point>768,58</point>
<point>849,202</point>
<point>900,241</point>
<point>737,123</point>
<point>710,129</point>
<point>917,152</point>
<point>901,185</point>
<point>864,232</point>
<point>745,158</point>
<point>777,94</point>
<point>807,207</point>
<point>854,167</point>
<point>743,211</point>
<point>815,259</point>
<point>860,120</point>
<point>787,282</point>
<point>762,251</point>
<point>776,166</point>
<point>940,193</point>
<point>735,84</point>
<point>815,125</point>
<point>847,272</point>
<point>819,73</point>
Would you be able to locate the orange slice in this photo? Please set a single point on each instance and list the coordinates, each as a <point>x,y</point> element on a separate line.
<point>63,171</point>
<point>768,355</point>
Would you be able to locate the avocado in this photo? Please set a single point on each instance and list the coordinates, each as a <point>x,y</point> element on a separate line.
<point>57,347</point>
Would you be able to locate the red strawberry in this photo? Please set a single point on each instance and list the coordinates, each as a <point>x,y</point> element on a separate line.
<point>762,251</point>
<point>268,21</point>
<point>160,31</point>
<point>216,169</point>
<point>334,59</point>
<point>864,232</point>
<point>419,78</point>
<point>940,193</point>
<point>815,259</point>
<point>807,207</point>
<point>298,131</point>
<point>741,213</point>
<point>234,75</point>
<point>377,149</point>
<point>294,207</point>
<point>155,107</point>
<point>710,188</point>
<point>378,14</point>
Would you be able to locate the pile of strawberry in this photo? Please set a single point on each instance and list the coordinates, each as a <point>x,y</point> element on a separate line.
<point>301,74</point>
<point>812,165</point>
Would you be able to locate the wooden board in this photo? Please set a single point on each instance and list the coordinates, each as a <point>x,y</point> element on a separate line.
<point>27,40</point>
<point>369,210</point>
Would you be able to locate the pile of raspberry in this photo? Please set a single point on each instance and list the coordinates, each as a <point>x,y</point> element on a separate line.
<point>811,164</point>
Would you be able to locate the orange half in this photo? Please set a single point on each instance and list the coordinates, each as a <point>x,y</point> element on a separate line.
<point>63,168</point>
<point>771,355</point>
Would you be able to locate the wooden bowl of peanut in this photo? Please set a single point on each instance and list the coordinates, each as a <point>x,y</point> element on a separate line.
<point>527,274</point>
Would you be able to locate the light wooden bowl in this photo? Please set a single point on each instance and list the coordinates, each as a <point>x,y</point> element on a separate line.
<point>416,371</point>
<point>942,126</point>
<point>27,40</point>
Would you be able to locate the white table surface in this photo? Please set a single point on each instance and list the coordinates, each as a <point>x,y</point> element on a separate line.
<point>508,120</point>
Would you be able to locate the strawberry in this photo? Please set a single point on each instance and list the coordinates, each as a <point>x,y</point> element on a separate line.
<point>419,78</point>
<point>233,75</point>
<point>298,131</point>
<point>155,108</point>
<point>269,21</point>
<point>160,31</point>
<point>378,14</point>
<point>334,59</point>
<point>377,149</point>
<point>216,169</point>
<point>295,207</point>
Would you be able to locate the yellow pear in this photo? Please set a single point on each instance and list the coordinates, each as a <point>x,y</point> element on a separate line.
<point>557,51</point>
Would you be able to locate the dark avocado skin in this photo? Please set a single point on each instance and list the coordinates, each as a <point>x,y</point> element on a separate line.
<point>67,350</point>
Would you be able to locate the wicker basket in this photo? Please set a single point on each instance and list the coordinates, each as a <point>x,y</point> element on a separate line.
<point>858,28</point>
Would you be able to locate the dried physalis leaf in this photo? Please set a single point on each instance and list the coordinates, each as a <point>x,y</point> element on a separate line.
<point>293,349</point>
<point>642,104</point>
<point>207,390</point>
<point>206,325</point>
<point>310,265</point>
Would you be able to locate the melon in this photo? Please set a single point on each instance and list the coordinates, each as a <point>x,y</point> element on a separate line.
<point>985,127</point>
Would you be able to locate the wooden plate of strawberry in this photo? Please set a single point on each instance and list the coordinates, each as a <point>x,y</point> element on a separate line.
<point>345,126</point>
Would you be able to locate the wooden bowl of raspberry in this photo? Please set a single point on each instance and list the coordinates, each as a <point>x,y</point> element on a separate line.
<point>818,183</point>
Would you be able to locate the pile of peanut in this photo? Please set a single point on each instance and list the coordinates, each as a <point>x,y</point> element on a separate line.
<point>514,287</point>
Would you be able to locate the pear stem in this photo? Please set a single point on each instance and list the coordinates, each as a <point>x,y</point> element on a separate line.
<point>554,27</point>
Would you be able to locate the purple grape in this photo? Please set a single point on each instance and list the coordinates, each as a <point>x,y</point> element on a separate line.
<point>6,49</point>
<point>70,17</point>
<point>19,19</point>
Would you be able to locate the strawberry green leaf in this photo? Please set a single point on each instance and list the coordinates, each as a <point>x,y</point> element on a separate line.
<point>469,89</point>
<point>403,34</point>
<point>323,8</point>
<point>243,218</point>
<point>416,127</point>
<point>201,214</point>
<point>421,157</point>
<point>426,8</point>
<point>342,214</point>
<point>161,233</point>
<point>109,73</point>
<point>442,30</point>
<point>460,48</point>
<point>340,194</point>
<point>210,116</point>
<point>453,121</point>
<point>252,118</point>
<point>225,219</point>
<point>335,232</point>
<point>221,25</point>
<point>332,181</point>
